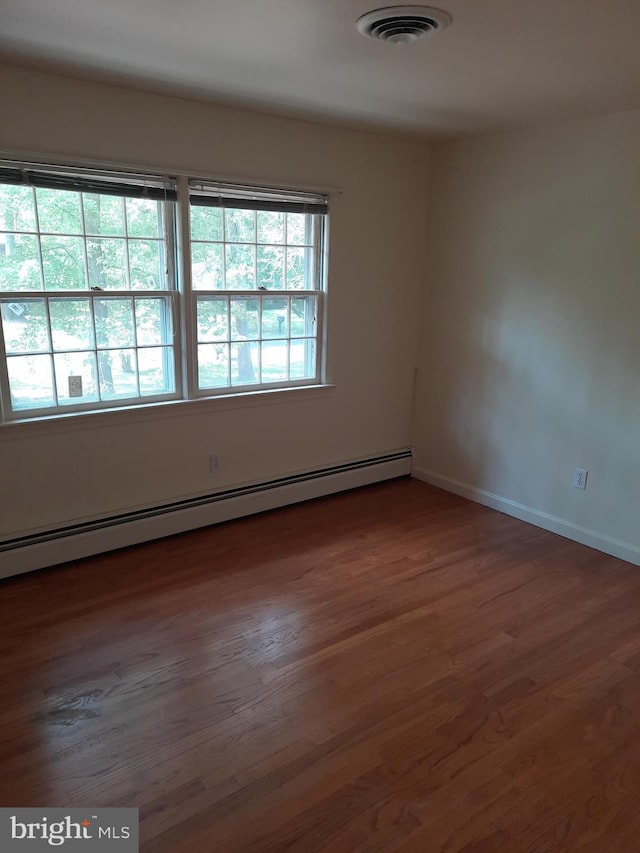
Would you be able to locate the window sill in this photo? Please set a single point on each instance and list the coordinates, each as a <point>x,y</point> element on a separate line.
<point>48,425</point>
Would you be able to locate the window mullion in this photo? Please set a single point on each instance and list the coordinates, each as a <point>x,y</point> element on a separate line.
<point>135,345</point>
<point>289,336</point>
<point>5,391</point>
<point>92,299</point>
<point>255,249</point>
<point>51,358</point>
<point>125,226</point>
<point>84,242</point>
<point>175,308</point>
<point>229,344</point>
<point>161,218</point>
<point>93,324</point>
<point>320,339</point>
<point>37,217</point>
<point>224,269</point>
<point>259,347</point>
<point>188,326</point>
<point>314,254</point>
<point>255,281</point>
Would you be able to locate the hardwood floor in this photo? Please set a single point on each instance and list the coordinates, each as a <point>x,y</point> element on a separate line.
<point>392,669</point>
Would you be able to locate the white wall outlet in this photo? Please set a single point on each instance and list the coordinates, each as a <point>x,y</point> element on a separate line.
<point>580,478</point>
<point>214,463</point>
<point>75,386</point>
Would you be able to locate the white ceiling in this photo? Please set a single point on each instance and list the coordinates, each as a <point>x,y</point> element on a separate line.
<point>502,63</point>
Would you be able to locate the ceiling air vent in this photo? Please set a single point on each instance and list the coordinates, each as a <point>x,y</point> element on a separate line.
<point>402,24</point>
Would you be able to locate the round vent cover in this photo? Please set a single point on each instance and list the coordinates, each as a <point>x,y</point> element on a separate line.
<point>402,24</point>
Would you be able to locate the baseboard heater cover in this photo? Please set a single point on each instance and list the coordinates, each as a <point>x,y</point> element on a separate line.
<point>49,548</point>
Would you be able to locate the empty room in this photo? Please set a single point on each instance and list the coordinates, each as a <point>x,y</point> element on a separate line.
<point>320,426</point>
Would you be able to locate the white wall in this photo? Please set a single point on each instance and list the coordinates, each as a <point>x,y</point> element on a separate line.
<point>60,472</point>
<point>530,359</point>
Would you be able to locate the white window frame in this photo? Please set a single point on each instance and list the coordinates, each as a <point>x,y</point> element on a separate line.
<point>180,294</point>
<point>228,196</point>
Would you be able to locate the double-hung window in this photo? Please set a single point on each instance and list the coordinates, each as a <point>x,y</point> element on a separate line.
<point>87,291</point>
<point>99,309</point>
<point>255,276</point>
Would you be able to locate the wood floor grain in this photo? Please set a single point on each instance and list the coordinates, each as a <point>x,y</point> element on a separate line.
<point>391,669</point>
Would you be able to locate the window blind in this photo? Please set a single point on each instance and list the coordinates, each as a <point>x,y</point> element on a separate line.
<point>154,187</point>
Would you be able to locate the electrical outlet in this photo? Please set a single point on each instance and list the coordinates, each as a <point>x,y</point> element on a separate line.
<point>580,478</point>
<point>214,463</point>
<point>75,386</point>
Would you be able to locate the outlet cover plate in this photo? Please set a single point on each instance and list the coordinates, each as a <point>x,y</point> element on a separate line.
<point>580,478</point>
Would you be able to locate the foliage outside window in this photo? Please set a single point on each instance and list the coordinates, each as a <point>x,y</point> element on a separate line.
<point>96,314</point>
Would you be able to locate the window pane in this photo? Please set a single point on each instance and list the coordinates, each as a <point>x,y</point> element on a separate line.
<point>296,268</point>
<point>213,319</point>
<point>17,211</point>
<point>114,322</point>
<point>271,267</point>
<point>244,319</point>
<point>107,265</point>
<point>206,223</point>
<point>207,264</point>
<point>103,214</point>
<point>59,211</point>
<point>213,366</point>
<point>118,372</point>
<point>30,381</point>
<point>76,377</point>
<point>239,226</point>
<point>71,327</point>
<point>270,227</point>
<point>153,321</point>
<point>63,262</point>
<point>144,217</point>
<point>275,318</point>
<point>24,325</point>
<point>145,266</point>
<point>297,228</point>
<point>19,263</point>
<point>274,361</point>
<point>303,359</point>
<point>240,267</point>
<point>156,371</point>
<point>244,364</point>
<point>303,315</point>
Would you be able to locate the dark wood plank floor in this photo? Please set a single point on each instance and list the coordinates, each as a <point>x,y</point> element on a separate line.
<point>392,669</point>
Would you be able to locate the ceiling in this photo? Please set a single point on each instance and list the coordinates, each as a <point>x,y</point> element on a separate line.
<point>501,64</point>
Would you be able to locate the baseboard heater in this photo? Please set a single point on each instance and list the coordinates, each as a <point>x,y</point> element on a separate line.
<point>48,548</point>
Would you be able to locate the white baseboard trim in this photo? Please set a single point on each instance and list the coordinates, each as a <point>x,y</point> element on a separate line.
<point>27,554</point>
<point>583,535</point>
